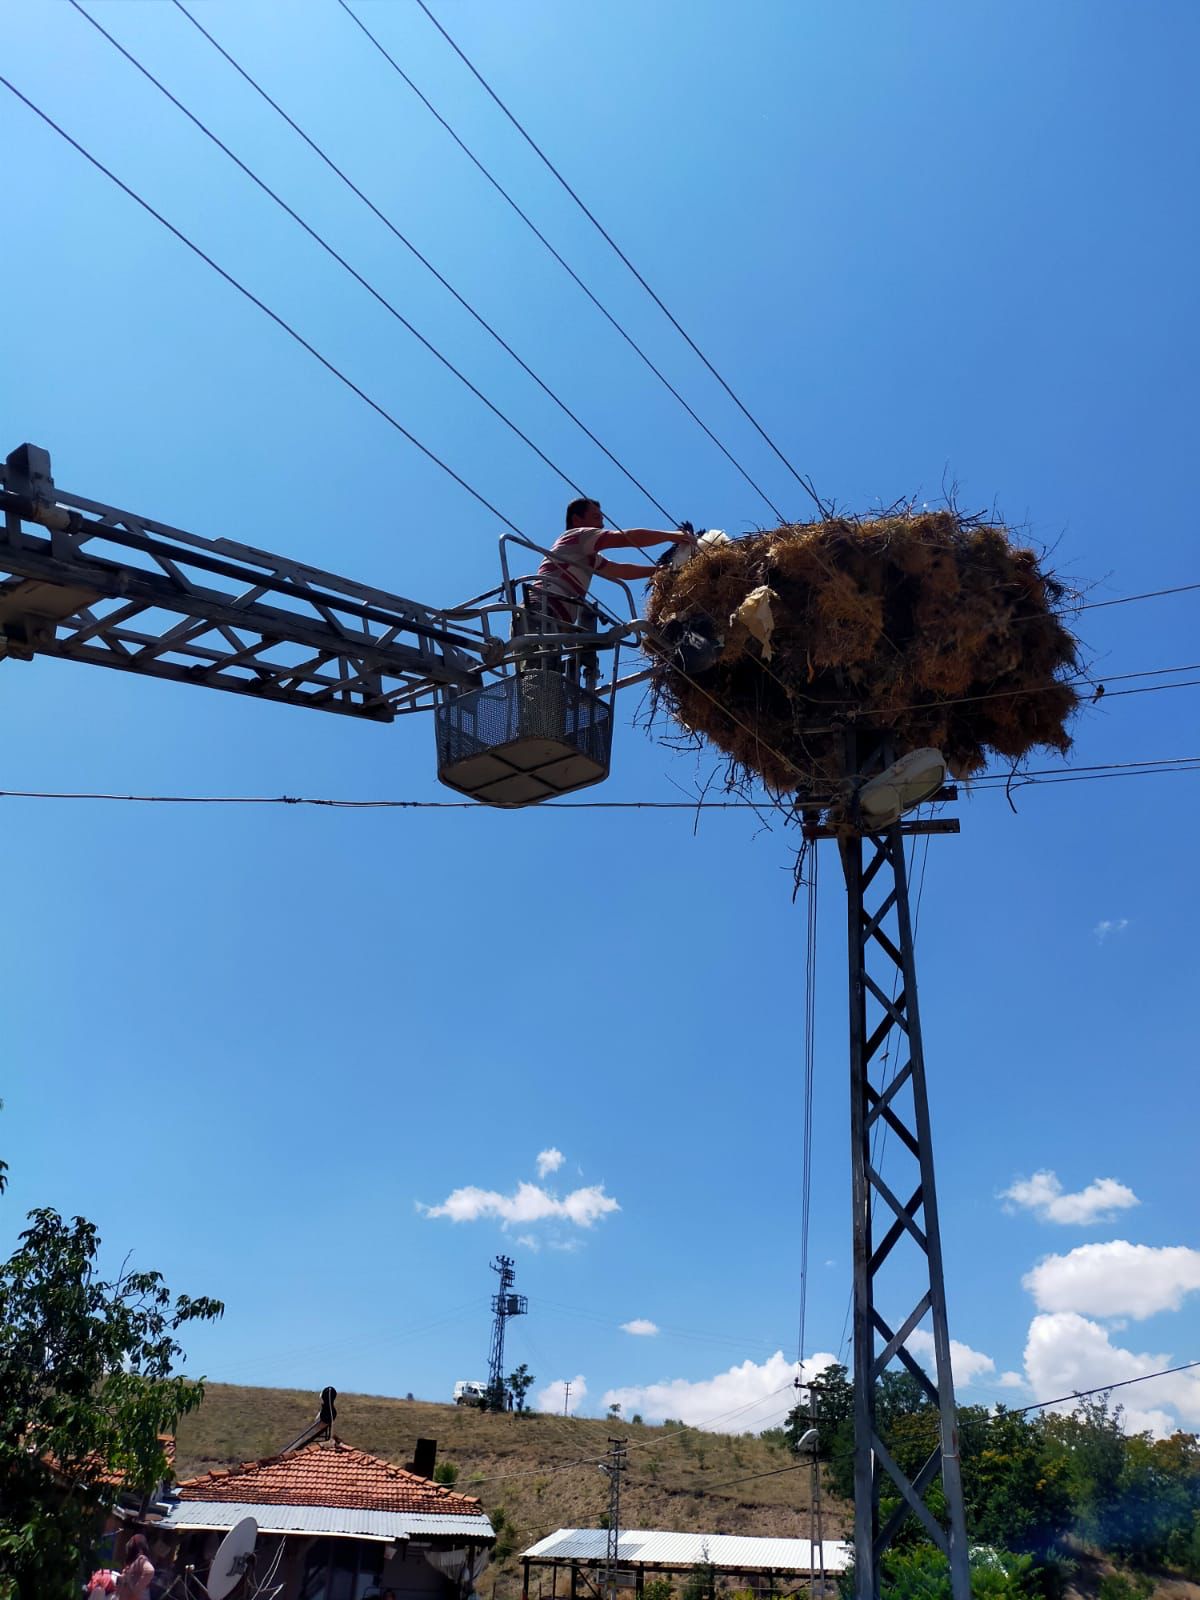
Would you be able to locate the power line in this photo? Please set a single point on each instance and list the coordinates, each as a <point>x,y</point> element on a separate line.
<point>528,221</point>
<point>261,305</point>
<point>1018,1411</point>
<point>800,478</point>
<point>643,1444</point>
<point>1167,767</point>
<point>809,1053</point>
<point>1149,594</point>
<point>425,262</point>
<point>329,249</point>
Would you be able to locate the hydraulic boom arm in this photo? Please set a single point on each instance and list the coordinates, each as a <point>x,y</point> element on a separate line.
<point>100,585</point>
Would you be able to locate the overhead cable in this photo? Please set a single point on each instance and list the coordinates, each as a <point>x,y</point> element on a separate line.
<point>1164,768</point>
<point>429,266</point>
<point>809,1069</point>
<point>262,306</point>
<point>800,478</point>
<point>329,249</point>
<point>528,221</point>
<point>1016,1411</point>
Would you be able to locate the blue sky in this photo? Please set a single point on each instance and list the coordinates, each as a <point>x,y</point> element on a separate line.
<point>920,241</point>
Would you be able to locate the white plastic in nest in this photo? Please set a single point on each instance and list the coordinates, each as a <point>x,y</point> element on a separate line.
<point>755,615</point>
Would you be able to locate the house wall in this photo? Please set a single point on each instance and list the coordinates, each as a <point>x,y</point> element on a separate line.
<point>413,1578</point>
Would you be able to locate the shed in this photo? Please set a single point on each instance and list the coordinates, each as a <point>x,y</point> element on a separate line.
<point>768,1566</point>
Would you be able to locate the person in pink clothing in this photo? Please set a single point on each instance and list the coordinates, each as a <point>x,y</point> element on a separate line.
<point>138,1572</point>
<point>565,576</point>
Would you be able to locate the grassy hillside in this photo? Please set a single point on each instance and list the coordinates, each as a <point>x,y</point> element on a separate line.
<point>529,1467</point>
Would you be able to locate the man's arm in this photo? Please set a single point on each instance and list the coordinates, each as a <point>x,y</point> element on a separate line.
<point>623,569</point>
<point>634,538</point>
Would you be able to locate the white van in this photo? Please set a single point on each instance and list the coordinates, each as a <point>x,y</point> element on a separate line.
<point>467,1393</point>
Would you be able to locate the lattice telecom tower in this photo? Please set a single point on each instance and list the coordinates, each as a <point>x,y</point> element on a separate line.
<point>505,1304</point>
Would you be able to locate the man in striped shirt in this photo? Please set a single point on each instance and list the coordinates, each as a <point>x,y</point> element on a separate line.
<point>558,594</point>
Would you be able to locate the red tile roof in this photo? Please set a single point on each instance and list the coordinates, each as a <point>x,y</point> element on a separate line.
<point>329,1473</point>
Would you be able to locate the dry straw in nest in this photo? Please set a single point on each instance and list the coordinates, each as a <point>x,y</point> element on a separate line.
<point>931,629</point>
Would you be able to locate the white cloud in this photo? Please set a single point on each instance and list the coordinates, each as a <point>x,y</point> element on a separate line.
<point>1116,1279</point>
<point>530,1243</point>
<point>1066,1353</point>
<point>528,1203</point>
<point>1110,925</point>
<point>549,1161</point>
<point>553,1396</point>
<point>965,1363</point>
<point>1044,1195</point>
<point>642,1326</point>
<point>1010,1380</point>
<point>745,1399</point>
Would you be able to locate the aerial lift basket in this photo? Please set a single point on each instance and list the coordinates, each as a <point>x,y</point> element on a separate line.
<point>527,737</point>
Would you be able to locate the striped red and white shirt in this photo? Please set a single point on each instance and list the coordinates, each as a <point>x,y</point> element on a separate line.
<point>566,573</point>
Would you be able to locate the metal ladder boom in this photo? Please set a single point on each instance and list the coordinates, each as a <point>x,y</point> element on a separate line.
<point>108,587</point>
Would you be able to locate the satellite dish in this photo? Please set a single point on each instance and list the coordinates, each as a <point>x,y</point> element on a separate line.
<point>908,782</point>
<point>232,1558</point>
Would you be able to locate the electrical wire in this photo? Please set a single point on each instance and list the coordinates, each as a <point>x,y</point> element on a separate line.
<point>800,478</point>
<point>527,220</point>
<point>329,249</point>
<point>262,306</point>
<point>429,266</point>
<point>1171,766</point>
<point>1036,1405</point>
<point>810,1023</point>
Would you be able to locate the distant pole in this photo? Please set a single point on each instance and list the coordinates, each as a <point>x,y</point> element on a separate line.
<point>566,1398</point>
<point>615,1466</point>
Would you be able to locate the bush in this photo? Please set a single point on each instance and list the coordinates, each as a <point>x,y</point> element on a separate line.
<point>923,1573</point>
<point>657,1589</point>
<point>1126,1586</point>
<point>445,1472</point>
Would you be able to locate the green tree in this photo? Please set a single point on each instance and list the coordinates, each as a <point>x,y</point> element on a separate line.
<point>446,1472</point>
<point>1015,1486</point>
<point>87,1385</point>
<point>520,1382</point>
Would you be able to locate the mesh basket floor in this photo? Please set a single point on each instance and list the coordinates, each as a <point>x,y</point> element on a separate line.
<point>524,738</point>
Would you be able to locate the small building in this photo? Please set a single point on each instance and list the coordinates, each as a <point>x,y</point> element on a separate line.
<point>335,1524</point>
<point>767,1566</point>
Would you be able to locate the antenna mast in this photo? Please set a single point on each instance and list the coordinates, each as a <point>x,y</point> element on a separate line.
<point>505,1304</point>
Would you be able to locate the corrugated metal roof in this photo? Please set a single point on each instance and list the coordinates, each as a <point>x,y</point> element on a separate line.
<point>735,1551</point>
<point>387,1526</point>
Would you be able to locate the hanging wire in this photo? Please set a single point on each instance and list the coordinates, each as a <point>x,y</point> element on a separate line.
<point>604,311</point>
<point>428,265</point>
<point>800,478</point>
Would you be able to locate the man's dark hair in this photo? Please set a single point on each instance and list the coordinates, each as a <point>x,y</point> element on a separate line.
<point>578,507</point>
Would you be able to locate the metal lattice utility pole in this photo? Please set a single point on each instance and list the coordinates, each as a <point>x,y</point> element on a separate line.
<point>882,965</point>
<point>885,1023</point>
<point>614,1466</point>
<point>505,1304</point>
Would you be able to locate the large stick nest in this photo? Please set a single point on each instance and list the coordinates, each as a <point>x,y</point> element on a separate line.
<point>930,629</point>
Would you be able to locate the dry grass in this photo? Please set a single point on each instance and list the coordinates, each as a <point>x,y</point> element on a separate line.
<point>529,1466</point>
<point>930,629</point>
